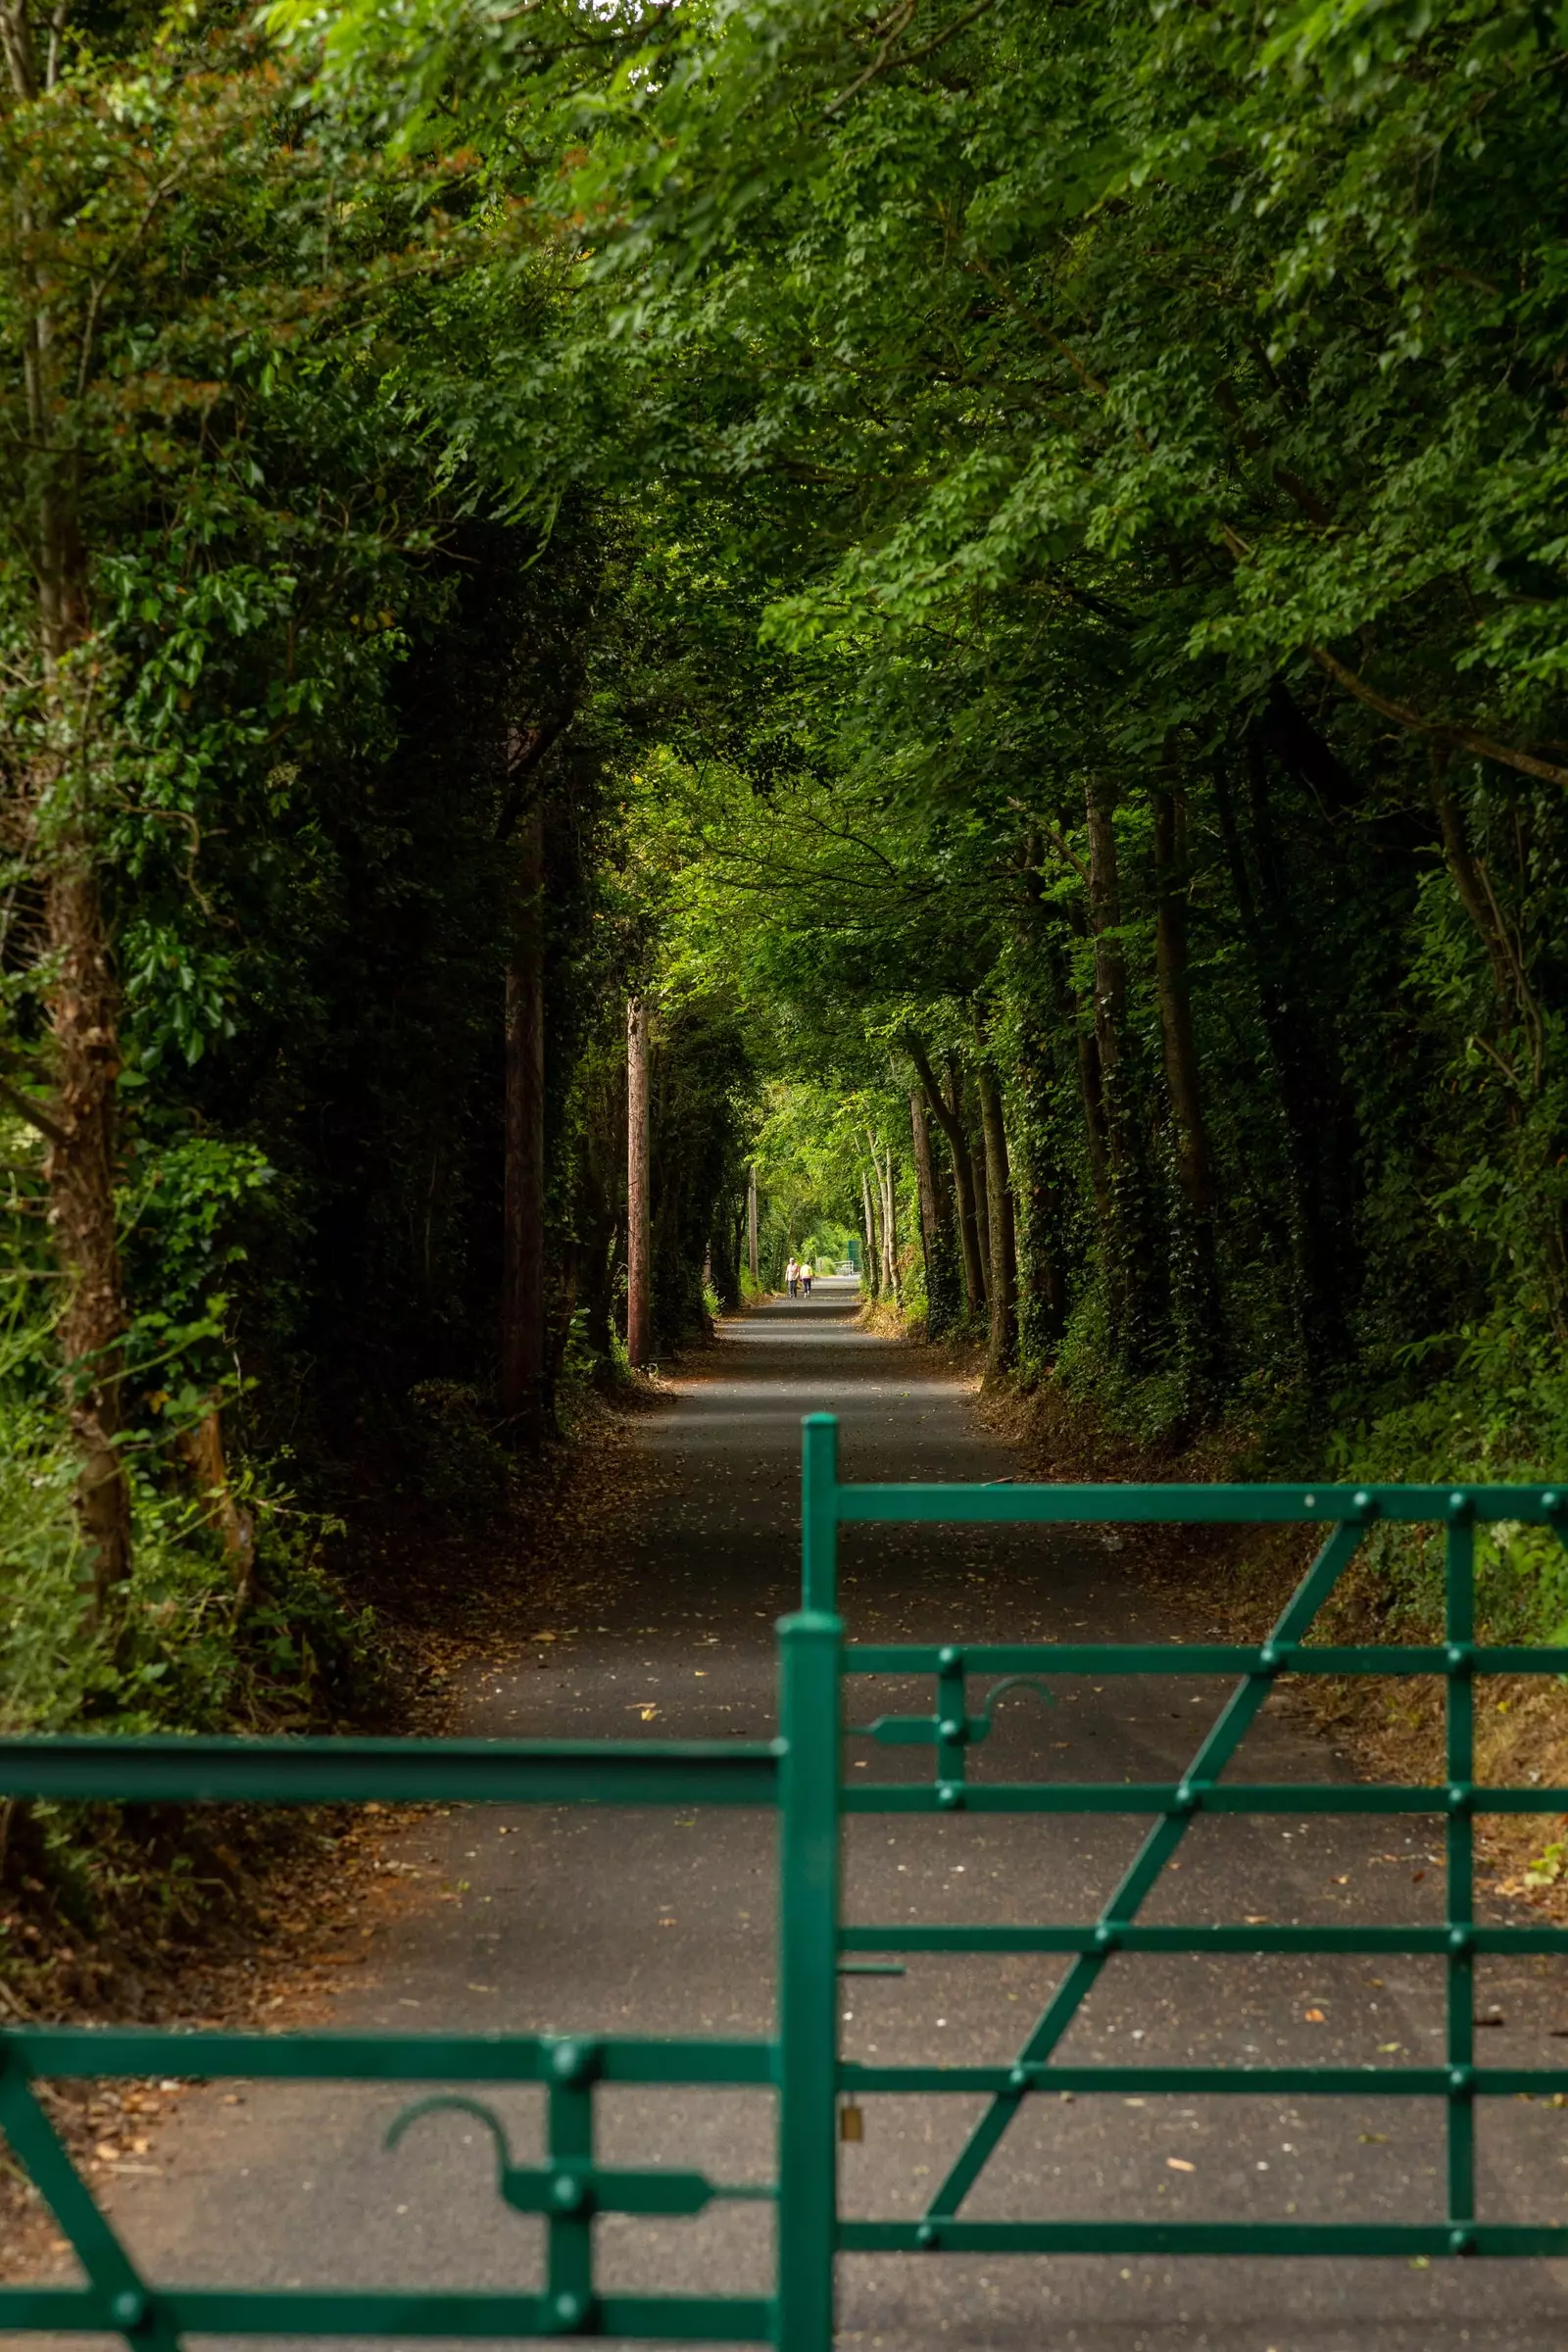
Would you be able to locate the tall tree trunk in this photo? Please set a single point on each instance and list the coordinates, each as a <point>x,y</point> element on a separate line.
<point>1194,1167</point>
<point>523,1341</point>
<point>873,1268</point>
<point>1313,1122</point>
<point>979,1178</point>
<point>888,1245</point>
<point>886,1176</point>
<point>201,1446</point>
<point>1003,1261</point>
<point>750,1225</point>
<point>80,1172</point>
<point>948,1118</point>
<point>942,1285</point>
<point>639,1238</point>
<point>1133,1246</point>
<point>83,1000</point>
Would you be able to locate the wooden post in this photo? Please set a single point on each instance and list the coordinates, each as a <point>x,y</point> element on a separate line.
<point>639,1336</point>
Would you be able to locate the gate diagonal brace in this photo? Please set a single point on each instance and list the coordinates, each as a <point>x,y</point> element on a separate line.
<point>37,2145</point>
<point>1220,1744</point>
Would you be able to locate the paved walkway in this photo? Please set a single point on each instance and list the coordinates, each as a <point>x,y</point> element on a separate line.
<point>661,1922</point>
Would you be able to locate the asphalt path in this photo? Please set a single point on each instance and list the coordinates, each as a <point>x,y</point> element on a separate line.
<point>656,1922</point>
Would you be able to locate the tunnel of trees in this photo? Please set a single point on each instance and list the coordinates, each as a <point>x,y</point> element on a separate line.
<point>996,572</point>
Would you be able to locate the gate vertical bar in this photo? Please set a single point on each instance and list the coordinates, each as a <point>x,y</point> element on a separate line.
<point>819,1512</point>
<point>809,1647</point>
<point>1462,1630</point>
<point>569,2229</point>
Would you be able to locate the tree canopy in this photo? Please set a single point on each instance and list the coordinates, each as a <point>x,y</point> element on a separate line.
<point>1000,569</point>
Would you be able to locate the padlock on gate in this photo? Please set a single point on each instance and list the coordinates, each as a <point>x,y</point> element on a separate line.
<point>852,2122</point>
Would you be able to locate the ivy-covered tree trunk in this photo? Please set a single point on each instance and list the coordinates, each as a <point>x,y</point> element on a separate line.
<point>1195,1279</point>
<point>1132,1254</point>
<point>1002,1287</point>
<point>948,1118</point>
<point>942,1283</point>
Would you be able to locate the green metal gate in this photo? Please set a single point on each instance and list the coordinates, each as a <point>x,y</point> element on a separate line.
<point>800,1775</point>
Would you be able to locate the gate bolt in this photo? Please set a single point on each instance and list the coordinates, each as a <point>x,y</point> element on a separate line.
<point>568,2309</point>
<point>1461,2082</point>
<point>949,1796</point>
<point>952,1728</point>
<point>572,2061</point>
<point>569,2193</point>
<point>1461,2241</point>
<point>129,2308</point>
<point>928,2235</point>
<point>1460,1940</point>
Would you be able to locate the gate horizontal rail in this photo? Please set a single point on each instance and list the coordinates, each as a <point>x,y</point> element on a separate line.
<point>800,1775</point>
<point>324,1772</point>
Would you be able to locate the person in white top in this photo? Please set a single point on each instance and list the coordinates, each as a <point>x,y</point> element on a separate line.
<point>792,1275</point>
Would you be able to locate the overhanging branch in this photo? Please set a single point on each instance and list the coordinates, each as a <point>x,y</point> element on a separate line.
<point>1436,730</point>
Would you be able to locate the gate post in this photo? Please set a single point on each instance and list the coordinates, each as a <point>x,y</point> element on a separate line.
<point>809,1647</point>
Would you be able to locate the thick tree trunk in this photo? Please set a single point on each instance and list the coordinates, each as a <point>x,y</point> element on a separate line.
<point>1003,1262</point>
<point>524,1346</point>
<point>80,1171</point>
<point>947,1117</point>
<point>639,1238</point>
<point>1194,1168</point>
<point>1314,1117</point>
<point>83,1000</point>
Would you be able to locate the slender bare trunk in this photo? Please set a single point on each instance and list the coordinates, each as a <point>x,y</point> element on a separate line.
<point>202,1448</point>
<point>1003,1283</point>
<point>523,1313</point>
<point>882,1168</point>
<point>890,1227</point>
<point>639,1323</point>
<point>874,1269</point>
<point>750,1225</point>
